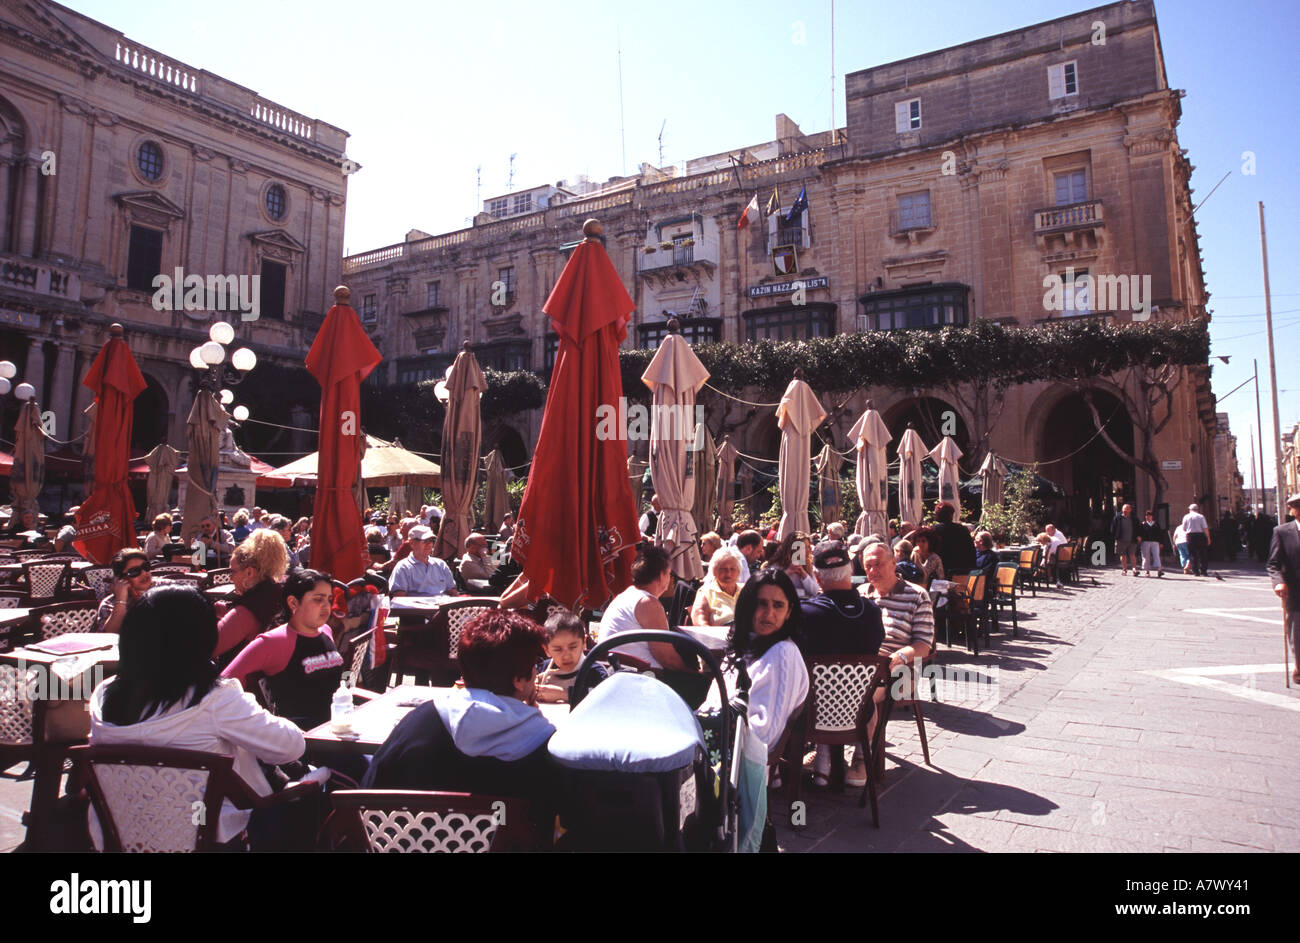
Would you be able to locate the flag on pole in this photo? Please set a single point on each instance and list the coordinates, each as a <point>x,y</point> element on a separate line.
<point>773,203</point>
<point>750,208</point>
<point>799,206</point>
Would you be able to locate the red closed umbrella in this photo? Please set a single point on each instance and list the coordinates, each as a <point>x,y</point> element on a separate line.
<point>577,528</point>
<point>340,358</point>
<point>105,521</point>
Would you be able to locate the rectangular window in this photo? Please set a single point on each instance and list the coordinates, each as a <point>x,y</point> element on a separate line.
<point>507,277</point>
<point>1078,298</point>
<point>907,116</point>
<point>432,292</point>
<point>551,351</point>
<point>1071,187</point>
<point>919,308</point>
<point>499,208</point>
<point>1062,80</point>
<point>368,309</point>
<point>683,249</point>
<point>273,284</point>
<point>796,323</point>
<point>914,210</point>
<point>143,258</point>
<point>693,331</point>
<point>523,203</point>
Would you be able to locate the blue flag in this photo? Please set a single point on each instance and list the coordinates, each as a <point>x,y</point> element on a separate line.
<point>799,206</point>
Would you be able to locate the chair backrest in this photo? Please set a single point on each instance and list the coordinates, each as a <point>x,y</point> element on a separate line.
<point>357,657</point>
<point>219,577</point>
<point>60,618</point>
<point>12,600</point>
<point>15,707</point>
<point>173,569</point>
<point>977,585</point>
<point>430,822</point>
<point>1064,554</point>
<point>457,615</point>
<point>29,554</point>
<point>146,798</point>
<point>47,580</point>
<point>99,579</point>
<point>1027,557</point>
<point>840,691</point>
<point>1006,576</point>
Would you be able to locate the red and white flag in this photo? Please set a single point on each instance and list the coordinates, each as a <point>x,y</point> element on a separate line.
<point>751,212</point>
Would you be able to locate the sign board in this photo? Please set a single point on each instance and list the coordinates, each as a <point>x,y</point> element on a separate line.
<point>786,288</point>
<point>1173,465</point>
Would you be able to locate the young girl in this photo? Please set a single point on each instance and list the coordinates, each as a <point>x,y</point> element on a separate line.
<point>301,665</point>
<point>566,639</point>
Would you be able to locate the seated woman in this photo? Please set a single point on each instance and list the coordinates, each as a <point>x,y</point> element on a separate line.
<point>923,555</point>
<point>986,560</point>
<point>768,621</point>
<point>131,580</point>
<point>167,693</point>
<point>301,665</point>
<point>794,556</point>
<point>903,565</point>
<point>487,738</point>
<point>638,607</point>
<point>256,567</point>
<point>715,603</point>
<point>709,544</point>
<point>159,537</point>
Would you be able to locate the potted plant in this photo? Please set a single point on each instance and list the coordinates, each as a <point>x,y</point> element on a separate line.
<point>648,249</point>
<point>666,244</point>
<point>687,242</point>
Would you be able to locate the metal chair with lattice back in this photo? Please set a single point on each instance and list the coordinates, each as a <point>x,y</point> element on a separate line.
<point>458,615</point>
<point>17,726</point>
<point>99,579</point>
<point>840,703</point>
<point>12,599</point>
<point>219,578</point>
<point>60,618</point>
<point>402,822</point>
<point>145,798</point>
<point>48,582</point>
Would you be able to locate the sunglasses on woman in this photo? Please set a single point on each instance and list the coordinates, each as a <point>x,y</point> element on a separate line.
<point>137,570</point>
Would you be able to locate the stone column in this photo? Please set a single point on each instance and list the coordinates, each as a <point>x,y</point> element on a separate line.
<point>34,370</point>
<point>4,205</point>
<point>82,395</point>
<point>60,399</point>
<point>26,206</point>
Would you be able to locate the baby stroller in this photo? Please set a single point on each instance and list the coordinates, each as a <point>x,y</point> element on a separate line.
<point>633,769</point>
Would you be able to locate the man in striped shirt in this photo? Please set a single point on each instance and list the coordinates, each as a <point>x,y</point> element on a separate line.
<point>906,611</point>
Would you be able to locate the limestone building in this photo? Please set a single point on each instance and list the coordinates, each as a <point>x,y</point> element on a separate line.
<point>964,183</point>
<point>119,164</point>
<point>1227,474</point>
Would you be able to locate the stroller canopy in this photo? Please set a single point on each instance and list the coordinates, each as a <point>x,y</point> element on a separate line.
<point>630,723</point>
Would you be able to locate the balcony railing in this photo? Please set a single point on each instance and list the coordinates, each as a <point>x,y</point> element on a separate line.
<point>1074,216</point>
<point>700,252</point>
<point>38,277</point>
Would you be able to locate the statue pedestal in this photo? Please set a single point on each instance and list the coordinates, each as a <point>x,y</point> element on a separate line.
<point>236,481</point>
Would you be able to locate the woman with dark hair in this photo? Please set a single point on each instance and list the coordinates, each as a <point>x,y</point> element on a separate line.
<point>925,541</point>
<point>131,580</point>
<point>638,608</point>
<point>256,568</point>
<point>794,556</point>
<point>299,660</point>
<point>765,638</point>
<point>167,693</point>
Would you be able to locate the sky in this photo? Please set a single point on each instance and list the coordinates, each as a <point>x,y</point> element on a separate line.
<point>431,92</point>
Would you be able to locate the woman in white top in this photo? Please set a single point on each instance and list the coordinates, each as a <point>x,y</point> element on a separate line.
<point>715,603</point>
<point>168,693</point>
<point>768,621</point>
<point>794,556</point>
<point>638,607</point>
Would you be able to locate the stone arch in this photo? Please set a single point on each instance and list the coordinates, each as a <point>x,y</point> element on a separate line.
<point>510,443</point>
<point>149,416</point>
<point>925,412</point>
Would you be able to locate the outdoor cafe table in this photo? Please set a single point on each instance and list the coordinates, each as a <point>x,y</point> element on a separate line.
<point>16,569</point>
<point>1012,554</point>
<point>59,717</point>
<point>374,720</point>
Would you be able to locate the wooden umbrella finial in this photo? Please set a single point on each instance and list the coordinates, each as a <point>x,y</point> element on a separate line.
<point>870,404</point>
<point>592,228</point>
<point>674,326</point>
<point>342,295</point>
<point>798,373</point>
<point>466,346</point>
<point>115,330</point>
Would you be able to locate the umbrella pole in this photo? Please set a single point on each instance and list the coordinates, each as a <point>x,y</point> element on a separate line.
<point>1286,647</point>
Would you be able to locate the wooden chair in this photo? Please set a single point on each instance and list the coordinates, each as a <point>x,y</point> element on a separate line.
<point>969,606</point>
<point>1027,569</point>
<point>1067,563</point>
<point>146,797</point>
<point>60,618</point>
<point>48,582</point>
<point>1004,596</point>
<point>397,821</point>
<point>840,701</point>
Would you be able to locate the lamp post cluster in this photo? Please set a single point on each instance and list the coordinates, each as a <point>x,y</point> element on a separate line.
<point>216,375</point>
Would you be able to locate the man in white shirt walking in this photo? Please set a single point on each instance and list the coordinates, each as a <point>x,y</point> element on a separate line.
<point>1198,539</point>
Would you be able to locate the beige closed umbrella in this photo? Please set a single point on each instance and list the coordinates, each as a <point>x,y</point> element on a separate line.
<point>799,413</point>
<point>726,470</point>
<point>827,464</point>
<point>636,477</point>
<point>496,499</point>
<point>462,431</point>
<point>207,421</point>
<point>993,475</point>
<point>945,455</point>
<point>163,462</point>
<point>28,475</point>
<point>910,452</point>
<point>674,376</point>
<point>706,474</point>
<point>870,436</point>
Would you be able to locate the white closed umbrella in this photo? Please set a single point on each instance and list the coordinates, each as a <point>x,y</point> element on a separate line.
<point>945,455</point>
<point>993,474</point>
<point>799,413</point>
<point>910,452</point>
<point>869,437</point>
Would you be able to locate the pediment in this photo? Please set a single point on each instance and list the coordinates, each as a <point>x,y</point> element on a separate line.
<point>277,242</point>
<point>149,206</point>
<point>39,22</point>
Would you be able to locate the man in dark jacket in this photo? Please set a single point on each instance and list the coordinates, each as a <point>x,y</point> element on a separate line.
<point>1284,570</point>
<point>1124,532</point>
<point>956,548</point>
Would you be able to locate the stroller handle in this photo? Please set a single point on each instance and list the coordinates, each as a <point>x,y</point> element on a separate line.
<point>587,669</point>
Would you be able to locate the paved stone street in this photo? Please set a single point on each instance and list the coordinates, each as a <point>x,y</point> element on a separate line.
<point>1131,715</point>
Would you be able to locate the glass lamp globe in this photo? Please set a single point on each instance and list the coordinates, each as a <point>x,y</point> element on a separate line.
<point>221,332</point>
<point>196,359</point>
<point>212,353</point>
<point>25,391</point>
<point>7,370</point>
<point>227,397</point>
<point>240,413</point>
<point>4,386</point>
<point>244,359</point>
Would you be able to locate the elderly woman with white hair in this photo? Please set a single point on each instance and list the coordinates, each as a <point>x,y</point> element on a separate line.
<point>715,603</point>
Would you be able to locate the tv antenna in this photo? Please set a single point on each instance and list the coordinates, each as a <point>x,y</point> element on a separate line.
<point>661,143</point>
<point>510,180</point>
<point>478,188</point>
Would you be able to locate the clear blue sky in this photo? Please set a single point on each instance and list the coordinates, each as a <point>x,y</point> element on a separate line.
<point>430,92</point>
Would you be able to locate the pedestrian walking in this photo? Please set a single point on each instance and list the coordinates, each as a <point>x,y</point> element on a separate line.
<point>1197,530</point>
<point>1151,537</point>
<point>1284,570</point>
<point>1124,532</point>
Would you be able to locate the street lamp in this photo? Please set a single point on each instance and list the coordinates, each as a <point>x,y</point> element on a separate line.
<point>216,375</point>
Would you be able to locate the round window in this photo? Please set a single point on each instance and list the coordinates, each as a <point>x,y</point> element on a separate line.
<point>276,201</point>
<point>149,158</point>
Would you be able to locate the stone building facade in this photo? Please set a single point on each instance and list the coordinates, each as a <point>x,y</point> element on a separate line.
<point>118,164</point>
<point>1227,474</point>
<point>964,182</point>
